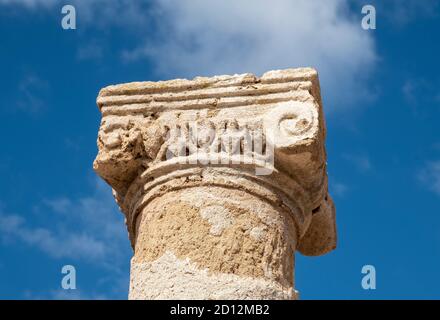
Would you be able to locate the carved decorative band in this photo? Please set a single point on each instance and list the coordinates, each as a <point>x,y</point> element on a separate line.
<point>154,183</point>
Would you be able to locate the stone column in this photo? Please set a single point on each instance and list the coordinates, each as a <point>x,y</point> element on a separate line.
<point>220,179</point>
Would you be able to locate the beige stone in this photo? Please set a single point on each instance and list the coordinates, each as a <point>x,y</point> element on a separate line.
<point>221,180</point>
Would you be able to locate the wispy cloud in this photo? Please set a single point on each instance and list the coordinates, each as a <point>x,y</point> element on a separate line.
<point>90,51</point>
<point>360,160</point>
<point>409,89</point>
<point>60,205</point>
<point>32,94</point>
<point>430,176</point>
<point>400,13</point>
<point>61,294</point>
<point>29,3</point>
<point>70,245</point>
<point>420,94</point>
<point>199,37</point>
<point>88,228</point>
<point>338,189</point>
<point>217,37</point>
<point>403,12</point>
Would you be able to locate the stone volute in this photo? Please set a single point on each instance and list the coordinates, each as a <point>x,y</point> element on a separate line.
<point>220,179</point>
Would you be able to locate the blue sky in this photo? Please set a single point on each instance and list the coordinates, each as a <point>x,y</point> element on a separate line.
<point>381,91</point>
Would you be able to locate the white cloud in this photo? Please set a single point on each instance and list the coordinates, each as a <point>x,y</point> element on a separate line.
<point>89,228</point>
<point>32,93</point>
<point>430,176</point>
<point>70,245</point>
<point>402,12</point>
<point>95,13</point>
<point>223,37</point>
<point>361,161</point>
<point>420,94</point>
<point>62,204</point>
<point>197,37</point>
<point>30,3</point>
<point>90,51</point>
<point>61,294</point>
<point>409,91</point>
<point>419,90</point>
<point>338,189</point>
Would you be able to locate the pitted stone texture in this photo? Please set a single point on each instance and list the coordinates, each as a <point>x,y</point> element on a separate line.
<point>174,222</point>
<point>218,217</point>
<point>224,175</point>
<point>171,278</point>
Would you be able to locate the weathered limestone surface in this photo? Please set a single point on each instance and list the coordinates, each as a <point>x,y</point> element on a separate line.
<point>221,180</point>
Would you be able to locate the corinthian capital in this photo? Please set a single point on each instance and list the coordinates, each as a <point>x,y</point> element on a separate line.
<point>221,180</point>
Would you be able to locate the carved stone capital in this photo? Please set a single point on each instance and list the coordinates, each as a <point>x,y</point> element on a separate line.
<point>221,179</point>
